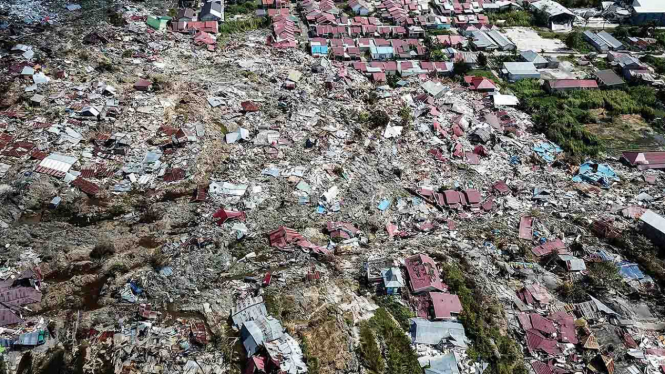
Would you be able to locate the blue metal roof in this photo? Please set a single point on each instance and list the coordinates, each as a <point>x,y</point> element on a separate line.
<point>630,270</point>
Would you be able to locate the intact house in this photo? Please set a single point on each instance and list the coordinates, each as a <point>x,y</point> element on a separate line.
<point>648,11</point>
<point>482,42</point>
<point>514,71</point>
<point>602,41</point>
<point>445,305</point>
<point>359,7</point>
<point>480,84</point>
<point>212,11</point>
<point>559,18</point>
<point>381,53</point>
<point>392,280</point>
<point>537,60</point>
<point>609,79</point>
<point>561,85</point>
<point>501,40</point>
<point>644,160</point>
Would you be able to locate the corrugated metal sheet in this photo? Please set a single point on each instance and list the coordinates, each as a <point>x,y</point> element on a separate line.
<point>542,324</point>
<point>56,165</point>
<point>7,317</point>
<point>541,367</point>
<point>86,186</point>
<point>654,220</point>
<point>525,321</point>
<point>526,228</point>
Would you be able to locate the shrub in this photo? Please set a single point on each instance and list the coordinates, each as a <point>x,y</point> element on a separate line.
<point>401,359</point>
<point>369,350</point>
<point>400,312</point>
<point>103,249</point>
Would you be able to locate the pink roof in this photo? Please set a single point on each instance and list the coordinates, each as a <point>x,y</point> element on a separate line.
<point>452,197</point>
<point>646,160</point>
<point>360,66</point>
<point>535,341</point>
<point>426,65</point>
<point>501,187</point>
<point>390,66</point>
<point>379,77</point>
<point>526,228</point>
<point>423,274</point>
<point>550,246</point>
<point>445,304</point>
<point>525,321</point>
<point>472,196</point>
<point>573,83</point>
<point>542,324</point>
<point>406,65</point>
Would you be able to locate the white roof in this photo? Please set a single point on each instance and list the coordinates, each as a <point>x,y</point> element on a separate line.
<point>654,220</point>
<point>58,162</point>
<point>505,100</point>
<point>649,6</point>
<point>552,8</point>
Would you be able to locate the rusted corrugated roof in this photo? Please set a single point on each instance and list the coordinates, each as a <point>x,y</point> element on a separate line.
<point>175,174</point>
<point>550,246</point>
<point>86,186</point>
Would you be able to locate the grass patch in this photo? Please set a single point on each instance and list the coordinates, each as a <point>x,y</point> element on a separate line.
<point>562,117</point>
<point>657,63</point>
<point>400,312</point>
<point>401,359</point>
<point>513,18</point>
<point>481,318</point>
<point>245,8</point>
<point>369,351</point>
<point>233,27</point>
<point>482,73</point>
<point>575,40</point>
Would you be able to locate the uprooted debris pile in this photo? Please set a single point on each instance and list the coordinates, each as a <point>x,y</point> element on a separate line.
<point>172,206</point>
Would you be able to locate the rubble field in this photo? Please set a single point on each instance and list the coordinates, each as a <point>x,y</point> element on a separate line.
<point>194,202</point>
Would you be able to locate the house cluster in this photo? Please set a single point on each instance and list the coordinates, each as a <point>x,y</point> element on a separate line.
<point>378,71</point>
<point>269,348</point>
<point>189,21</point>
<point>602,41</point>
<point>437,310</point>
<point>487,38</point>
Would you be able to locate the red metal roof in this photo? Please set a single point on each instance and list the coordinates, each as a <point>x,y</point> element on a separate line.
<point>86,186</point>
<point>472,196</point>
<point>283,236</point>
<point>535,341</point>
<point>541,367</point>
<point>525,321</point>
<point>542,324</point>
<point>445,305</point>
<point>423,274</point>
<point>573,83</point>
<point>645,160</point>
<point>225,215</point>
<point>501,187</point>
<point>550,246</point>
<point>452,198</point>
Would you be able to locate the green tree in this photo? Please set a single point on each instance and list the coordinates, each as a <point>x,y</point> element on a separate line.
<point>482,59</point>
<point>460,68</point>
